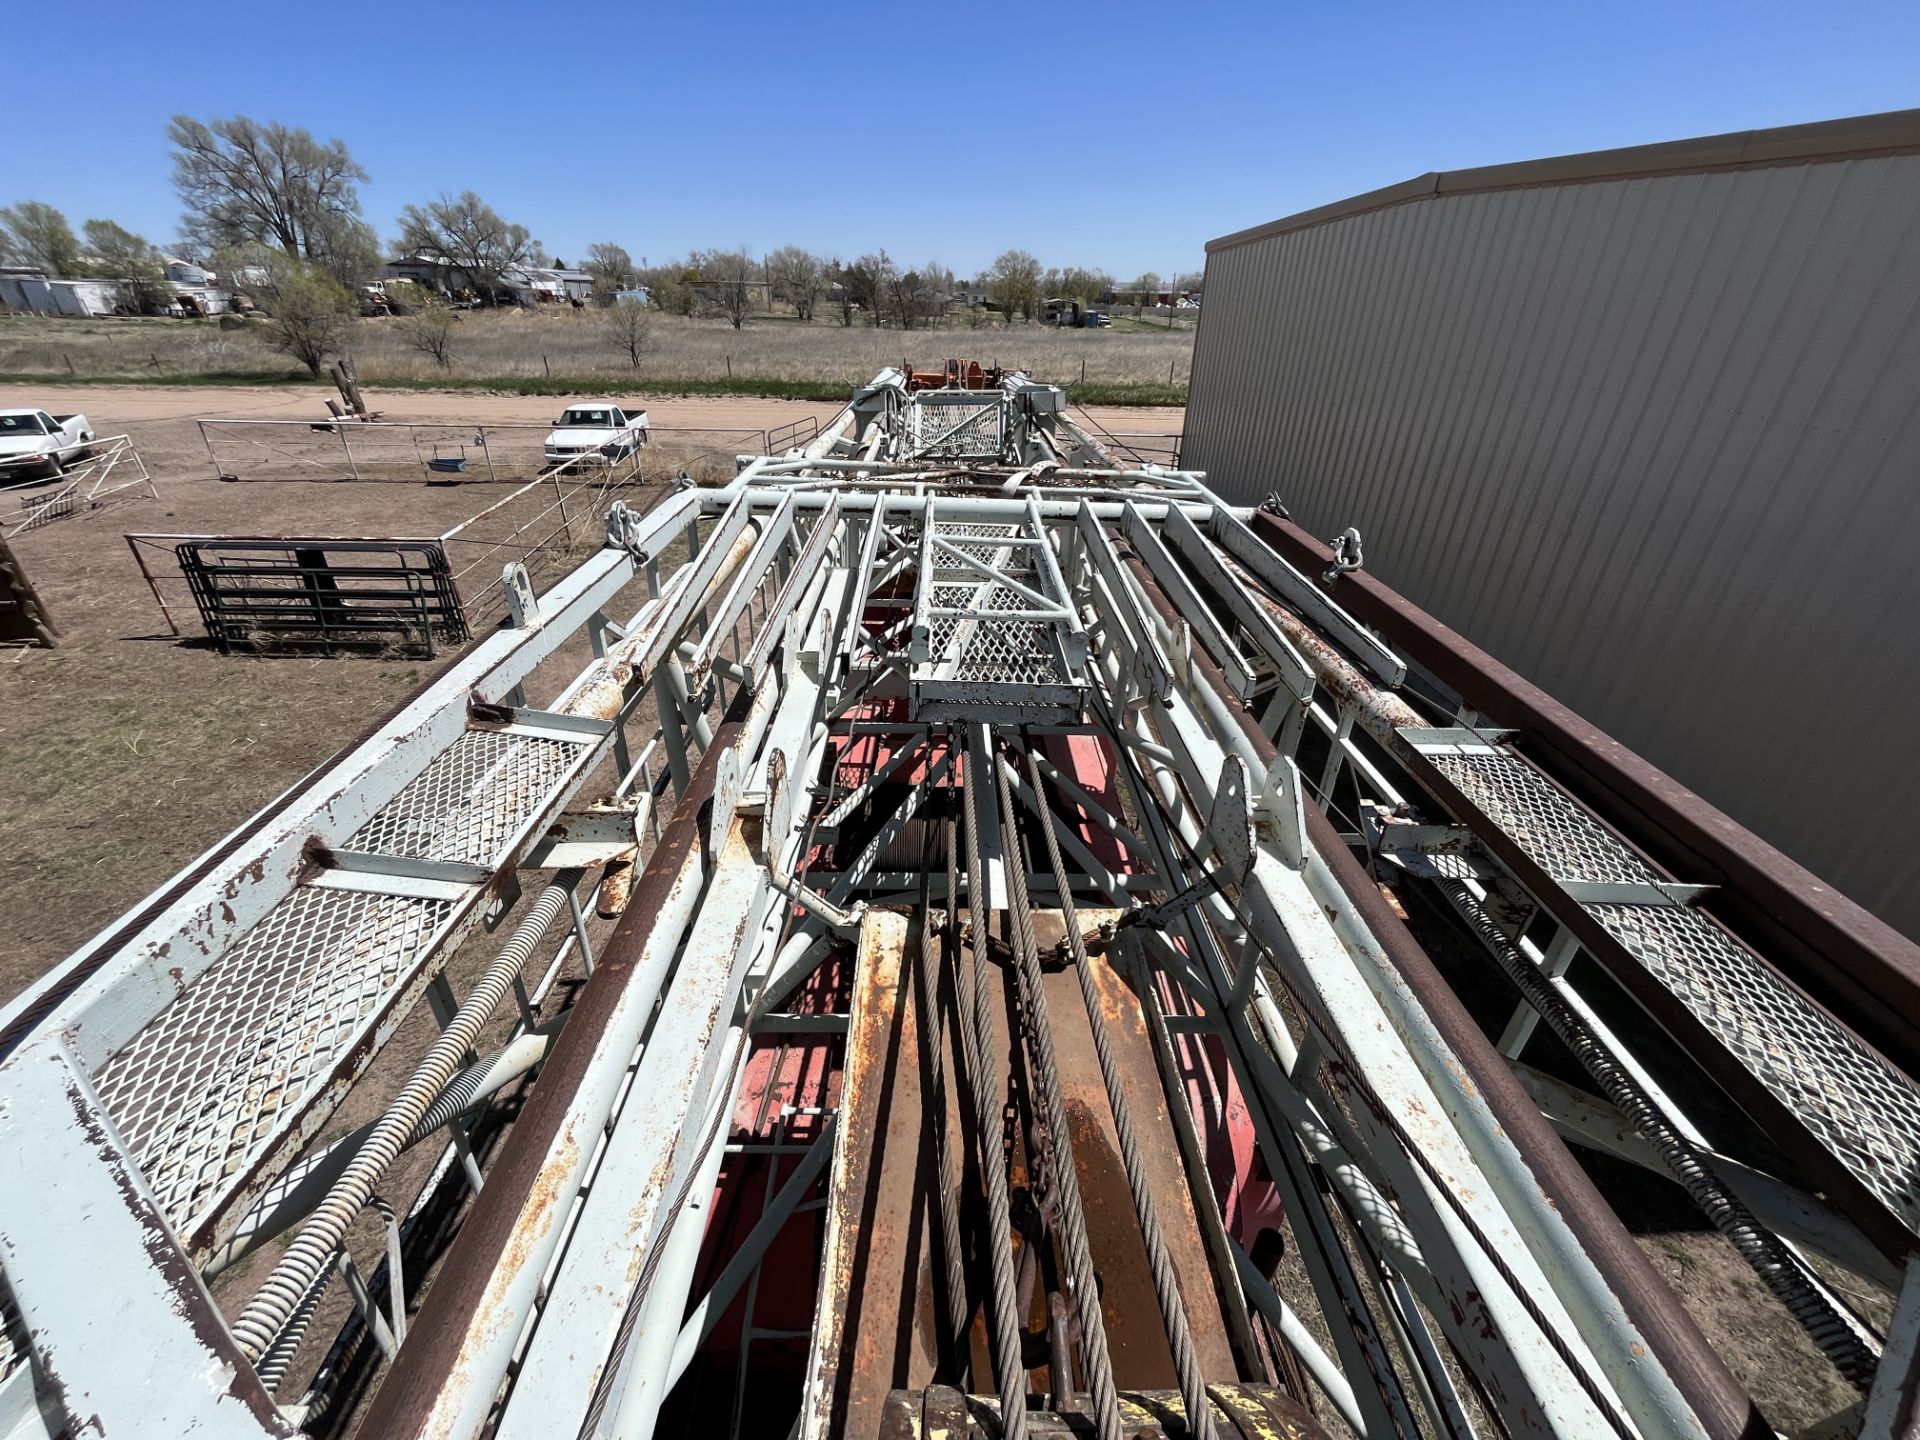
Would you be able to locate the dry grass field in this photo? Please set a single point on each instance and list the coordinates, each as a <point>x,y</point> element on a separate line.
<point>512,346</point>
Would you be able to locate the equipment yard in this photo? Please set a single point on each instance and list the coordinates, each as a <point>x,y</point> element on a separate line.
<point>930,921</point>
<point>126,751</point>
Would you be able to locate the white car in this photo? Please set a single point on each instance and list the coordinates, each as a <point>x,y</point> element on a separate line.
<point>596,427</point>
<point>34,443</point>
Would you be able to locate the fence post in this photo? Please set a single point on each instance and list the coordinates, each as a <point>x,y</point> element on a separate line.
<point>480,433</point>
<point>560,499</point>
<point>341,427</point>
<point>207,440</point>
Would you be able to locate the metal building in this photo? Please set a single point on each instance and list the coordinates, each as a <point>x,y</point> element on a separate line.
<point>1641,423</point>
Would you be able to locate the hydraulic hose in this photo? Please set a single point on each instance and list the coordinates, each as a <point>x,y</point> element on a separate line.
<point>312,1252</point>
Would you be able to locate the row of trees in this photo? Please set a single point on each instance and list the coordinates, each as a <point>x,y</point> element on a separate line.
<point>277,214</point>
<point>874,287</point>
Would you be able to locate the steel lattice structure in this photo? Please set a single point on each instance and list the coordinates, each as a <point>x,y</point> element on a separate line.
<point>981,906</point>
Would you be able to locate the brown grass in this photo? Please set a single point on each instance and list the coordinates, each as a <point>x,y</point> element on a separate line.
<point>528,344</point>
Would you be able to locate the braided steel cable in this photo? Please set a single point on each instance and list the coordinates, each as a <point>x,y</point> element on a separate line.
<point>1045,1071</point>
<point>1684,1160</point>
<point>1008,1357</point>
<point>932,1040</point>
<point>1166,1285</point>
<point>1008,1354</point>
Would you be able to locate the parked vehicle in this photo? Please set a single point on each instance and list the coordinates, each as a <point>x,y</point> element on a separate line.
<point>596,426</point>
<point>34,443</point>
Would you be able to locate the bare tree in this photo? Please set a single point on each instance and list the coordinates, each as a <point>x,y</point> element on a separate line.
<point>628,326</point>
<point>728,276</point>
<point>247,183</point>
<point>797,276</point>
<point>428,328</point>
<point>1013,284</point>
<point>838,278</point>
<point>36,234</point>
<point>918,297</point>
<point>1146,291</point>
<point>465,233</point>
<point>611,268</point>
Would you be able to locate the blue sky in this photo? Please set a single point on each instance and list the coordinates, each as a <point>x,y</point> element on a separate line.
<point>1122,136</point>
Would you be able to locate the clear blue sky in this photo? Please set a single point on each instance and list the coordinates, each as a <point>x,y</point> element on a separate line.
<point>1122,136</point>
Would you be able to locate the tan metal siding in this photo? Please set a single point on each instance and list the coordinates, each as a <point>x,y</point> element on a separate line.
<point>1653,442</point>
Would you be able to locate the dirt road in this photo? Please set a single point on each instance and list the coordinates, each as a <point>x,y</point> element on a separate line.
<point>160,418</point>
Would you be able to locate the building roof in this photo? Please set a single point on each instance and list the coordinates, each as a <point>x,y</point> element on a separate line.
<point>1897,132</point>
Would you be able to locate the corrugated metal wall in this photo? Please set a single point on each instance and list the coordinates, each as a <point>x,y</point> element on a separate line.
<point>1652,442</point>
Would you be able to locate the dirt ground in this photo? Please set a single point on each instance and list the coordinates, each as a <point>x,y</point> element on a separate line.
<point>126,752</point>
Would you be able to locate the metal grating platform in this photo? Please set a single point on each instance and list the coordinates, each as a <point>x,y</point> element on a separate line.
<point>467,804</point>
<point>1845,1094</point>
<point>199,1089</point>
<point>257,1037</point>
<point>966,426</point>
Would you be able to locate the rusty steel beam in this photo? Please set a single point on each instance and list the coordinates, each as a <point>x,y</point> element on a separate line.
<point>1866,972</point>
<point>1701,1376</point>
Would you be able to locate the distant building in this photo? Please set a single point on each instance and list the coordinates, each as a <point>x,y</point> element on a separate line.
<point>32,291</point>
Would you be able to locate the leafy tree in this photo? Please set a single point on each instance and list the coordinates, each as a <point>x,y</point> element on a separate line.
<point>119,254</point>
<point>798,277</point>
<point>670,287</point>
<point>728,276</point>
<point>1086,286</point>
<point>867,281</point>
<point>628,326</point>
<point>36,234</point>
<point>1013,284</point>
<point>1146,291</point>
<point>466,233</point>
<point>611,268</point>
<point>309,313</point>
<point>243,182</point>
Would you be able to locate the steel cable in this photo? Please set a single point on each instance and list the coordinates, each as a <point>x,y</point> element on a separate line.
<point>936,1103</point>
<point>1046,1077</point>
<point>1008,1357</point>
<point>1166,1285</point>
<point>1684,1160</point>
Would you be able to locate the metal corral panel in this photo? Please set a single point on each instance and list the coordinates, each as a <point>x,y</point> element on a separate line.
<point>1651,439</point>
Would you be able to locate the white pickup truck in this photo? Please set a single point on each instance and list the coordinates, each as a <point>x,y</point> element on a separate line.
<point>596,427</point>
<point>34,443</point>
